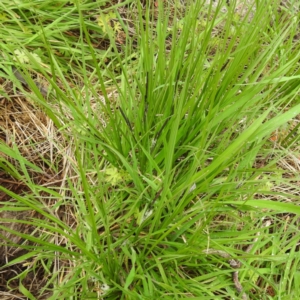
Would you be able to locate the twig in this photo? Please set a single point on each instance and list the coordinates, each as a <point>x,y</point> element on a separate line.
<point>21,78</point>
<point>236,264</point>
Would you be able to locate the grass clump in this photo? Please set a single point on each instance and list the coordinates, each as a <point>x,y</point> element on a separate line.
<point>170,150</point>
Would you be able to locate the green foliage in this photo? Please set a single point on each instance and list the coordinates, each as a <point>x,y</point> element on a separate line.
<point>107,22</point>
<point>165,149</point>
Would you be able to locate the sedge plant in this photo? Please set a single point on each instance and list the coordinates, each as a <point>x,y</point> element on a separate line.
<point>170,168</point>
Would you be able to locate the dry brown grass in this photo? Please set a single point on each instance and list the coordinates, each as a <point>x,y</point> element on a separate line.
<point>24,125</point>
